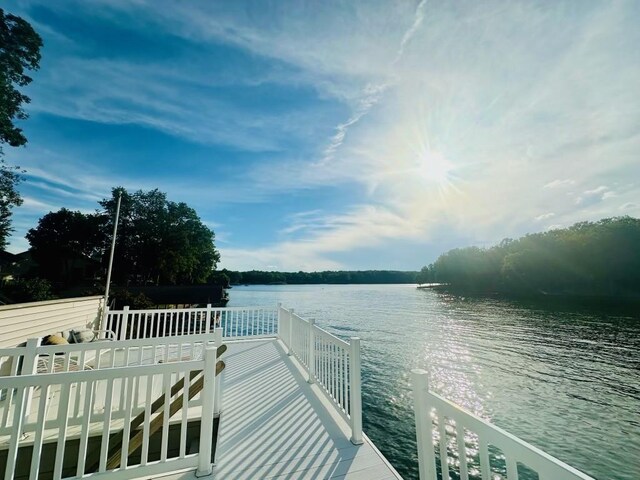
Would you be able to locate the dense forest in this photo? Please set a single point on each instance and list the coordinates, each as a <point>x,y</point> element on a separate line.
<point>588,258</point>
<point>255,277</point>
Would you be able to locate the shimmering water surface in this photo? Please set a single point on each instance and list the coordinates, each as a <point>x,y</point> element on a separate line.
<point>564,376</point>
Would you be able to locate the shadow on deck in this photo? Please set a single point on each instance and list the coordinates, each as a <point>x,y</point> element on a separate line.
<point>275,425</point>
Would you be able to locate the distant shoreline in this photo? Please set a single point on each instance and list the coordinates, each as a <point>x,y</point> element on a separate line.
<point>590,296</point>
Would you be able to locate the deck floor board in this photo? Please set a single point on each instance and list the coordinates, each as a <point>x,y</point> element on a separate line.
<point>274,425</point>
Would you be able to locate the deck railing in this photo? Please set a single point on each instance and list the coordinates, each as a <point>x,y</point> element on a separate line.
<point>236,322</point>
<point>81,406</point>
<point>330,362</point>
<point>100,417</point>
<point>464,442</point>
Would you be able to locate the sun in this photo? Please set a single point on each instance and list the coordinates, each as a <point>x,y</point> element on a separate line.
<point>433,167</point>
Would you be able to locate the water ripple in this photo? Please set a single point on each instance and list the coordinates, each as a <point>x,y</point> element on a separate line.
<point>561,375</point>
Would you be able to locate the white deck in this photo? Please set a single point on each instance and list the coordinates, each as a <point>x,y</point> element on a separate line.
<point>275,425</point>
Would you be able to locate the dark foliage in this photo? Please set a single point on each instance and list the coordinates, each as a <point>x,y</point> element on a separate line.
<point>159,241</point>
<point>599,258</point>
<point>19,52</point>
<point>68,246</point>
<point>255,277</point>
<point>28,290</point>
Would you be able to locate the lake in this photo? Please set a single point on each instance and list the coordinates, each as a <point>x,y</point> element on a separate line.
<point>561,375</point>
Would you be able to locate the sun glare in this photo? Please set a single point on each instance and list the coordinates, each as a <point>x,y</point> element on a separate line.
<point>433,167</point>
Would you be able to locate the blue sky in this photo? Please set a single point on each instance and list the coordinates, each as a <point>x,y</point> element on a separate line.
<point>338,135</point>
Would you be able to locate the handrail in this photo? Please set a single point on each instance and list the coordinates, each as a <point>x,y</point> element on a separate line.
<point>236,322</point>
<point>331,363</point>
<point>93,389</point>
<point>136,442</point>
<point>157,404</point>
<point>515,450</point>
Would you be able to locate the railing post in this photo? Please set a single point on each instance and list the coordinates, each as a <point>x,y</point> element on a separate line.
<point>207,319</point>
<point>312,352</point>
<point>290,344</point>
<point>279,328</point>
<point>426,454</point>
<point>355,409</point>
<point>124,324</point>
<point>217,335</point>
<point>30,367</point>
<point>105,319</point>
<point>206,425</point>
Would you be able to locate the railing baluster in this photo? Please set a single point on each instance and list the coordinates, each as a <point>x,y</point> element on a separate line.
<point>147,416</point>
<point>185,415</point>
<point>129,385</point>
<point>462,451</point>
<point>63,420</point>
<point>334,376</point>
<point>140,316</point>
<point>87,410</point>
<point>18,419</point>
<point>37,441</point>
<point>106,425</point>
<point>166,384</point>
<point>485,466</point>
<point>512,467</point>
<point>444,457</point>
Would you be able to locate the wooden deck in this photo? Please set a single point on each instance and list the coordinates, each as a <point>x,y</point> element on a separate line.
<point>274,425</point>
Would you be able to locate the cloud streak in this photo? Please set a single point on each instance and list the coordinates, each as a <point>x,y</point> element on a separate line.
<point>465,122</point>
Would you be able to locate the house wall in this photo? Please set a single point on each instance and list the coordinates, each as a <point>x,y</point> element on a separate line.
<point>28,320</point>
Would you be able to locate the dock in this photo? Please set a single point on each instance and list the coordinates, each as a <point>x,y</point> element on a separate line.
<point>221,393</point>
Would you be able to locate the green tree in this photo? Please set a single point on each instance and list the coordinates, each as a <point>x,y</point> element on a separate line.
<point>19,52</point>
<point>68,246</point>
<point>159,241</point>
<point>599,258</point>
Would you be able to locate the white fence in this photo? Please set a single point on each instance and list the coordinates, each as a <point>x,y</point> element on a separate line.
<point>106,407</point>
<point>236,322</point>
<point>464,441</point>
<point>330,362</point>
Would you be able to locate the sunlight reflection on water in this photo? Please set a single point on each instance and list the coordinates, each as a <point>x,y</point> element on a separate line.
<point>563,377</point>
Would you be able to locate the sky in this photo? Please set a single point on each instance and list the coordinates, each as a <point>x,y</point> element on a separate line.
<point>337,135</point>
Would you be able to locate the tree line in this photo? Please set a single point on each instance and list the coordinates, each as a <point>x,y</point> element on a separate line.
<point>588,258</point>
<point>159,242</point>
<point>257,277</point>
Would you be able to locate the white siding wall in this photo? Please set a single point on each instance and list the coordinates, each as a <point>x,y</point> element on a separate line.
<point>28,320</point>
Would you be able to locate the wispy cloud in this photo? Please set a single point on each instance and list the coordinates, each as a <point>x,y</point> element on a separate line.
<point>544,216</point>
<point>482,119</point>
<point>560,183</point>
<point>372,93</point>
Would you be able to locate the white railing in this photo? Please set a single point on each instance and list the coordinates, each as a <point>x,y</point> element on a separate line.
<point>36,358</point>
<point>464,442</point>
<point>330,362</point>
<point>236,322</point>
<point>112,437</point>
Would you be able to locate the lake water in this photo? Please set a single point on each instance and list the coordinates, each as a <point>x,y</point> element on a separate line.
<point>562,376</point>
